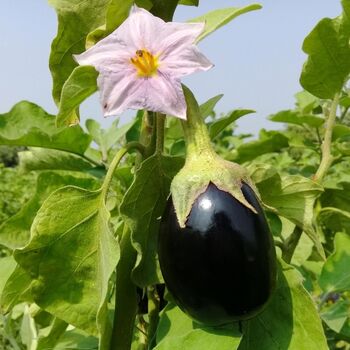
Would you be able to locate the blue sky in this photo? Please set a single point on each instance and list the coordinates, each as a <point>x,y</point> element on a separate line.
<point>257,57</point>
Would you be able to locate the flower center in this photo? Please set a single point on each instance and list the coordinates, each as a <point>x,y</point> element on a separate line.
<point>146,64</point>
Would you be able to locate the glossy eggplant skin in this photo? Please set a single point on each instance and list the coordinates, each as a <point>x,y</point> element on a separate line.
<point>221,267</point>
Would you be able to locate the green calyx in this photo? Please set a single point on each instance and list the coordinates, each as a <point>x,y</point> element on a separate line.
<point>203,166</point>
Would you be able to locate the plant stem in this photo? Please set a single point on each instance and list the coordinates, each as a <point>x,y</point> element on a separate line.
<point>160,132</point>
<point>125,296</point>
<point>327,158</point>
<point>153,315</point>
<point>290,244</point>
<point>195,131</point>
<point>115,162</point>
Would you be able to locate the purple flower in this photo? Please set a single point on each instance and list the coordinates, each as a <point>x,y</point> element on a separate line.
<point>140,64</point>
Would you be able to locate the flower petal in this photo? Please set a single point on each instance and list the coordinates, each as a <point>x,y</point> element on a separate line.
<point>177,36</point>
<point>186,62</point>
<point>113,52</point>
<point>142,29</point>
<point>165,95</point>
<point>120,91</point>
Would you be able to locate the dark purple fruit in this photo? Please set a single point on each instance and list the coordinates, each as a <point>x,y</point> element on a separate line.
<point>221,267</point>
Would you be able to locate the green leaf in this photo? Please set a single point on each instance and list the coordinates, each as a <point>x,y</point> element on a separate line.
<point>338,197</point>
<point>290,321</point>
<point>141,208</point>
<point>29,125</point>
<point>271,141</point>
<point>76,340</point>
<point>46,159</point>
<point>328,65</point>
<point>291,196</point>
<point>55,332</point>
<point>208,107</point>
<point>216,19</point>
<point>80,85</point>
<point>70,258</point>
<point>7,266</point>
<point>16,290</point>
<point>219,125</point>
<point>335,276</point>
<point>306,102</point>
<point>293,117</point>
<point>177,331</point>
<point>107,138</point>
<point>336,315</point>
<point>117,11</point>
<point>335,219</point>
<point>15,232</point>
<point>189,2</point>
<point>28,330</point>
<point>71,37</point>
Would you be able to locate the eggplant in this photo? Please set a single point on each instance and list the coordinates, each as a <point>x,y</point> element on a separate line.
<point>220,267</point>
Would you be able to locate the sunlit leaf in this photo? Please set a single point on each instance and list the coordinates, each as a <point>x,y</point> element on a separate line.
<point>177,331</point>
<point>271,141</point>
<point>208,107</point>
<point>335,276</point>
<point>141,208</point>
<point>219,125</point>
<point>71,37</point>
<point>79,85</point>
<point>218,18</point>
<point>292,196</point>
<point>15,232</point>
<point>336,315</point>
<point>26,124</point>
<point>70,258</point>
<point>54,332</point>
<point>290,321</point>
<point>294,117</point>
<point>328,50</point>
<point>46,159</point>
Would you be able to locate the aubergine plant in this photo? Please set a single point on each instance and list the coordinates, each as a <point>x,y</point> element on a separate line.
<point>79,252</point>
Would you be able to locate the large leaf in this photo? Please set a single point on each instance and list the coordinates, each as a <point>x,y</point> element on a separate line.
<point>294,117</point>
<point>271,141</point>
<point>117,11</point>
<point>71,37</point>
<point>208,107</point>
<point>76,339</point>
<point>290,321</point>
<point>189,2</point>
<point>335,276</point>
<point>177,331</point>
<point>328,65</point>
<point>70,258</point>
<point>336,315</point>
<point>335,219</point>
<point>219,125</point>
<point>105,139</point>
<point>80,85</point>
<point>216,19</point>
<point>164,8</point>
<point>54,333</point>
<point>26,124</point>
<point>16,289</point>
<point>15,232</point>
<point>7,266</point>
<point>141,208</point>
<point>292,196</point>
<point>46,159</point>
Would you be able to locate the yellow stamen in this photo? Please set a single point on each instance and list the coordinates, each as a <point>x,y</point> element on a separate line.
<point>146,64</point>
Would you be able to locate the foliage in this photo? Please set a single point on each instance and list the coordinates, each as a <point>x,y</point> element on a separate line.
<point>79,215</point>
